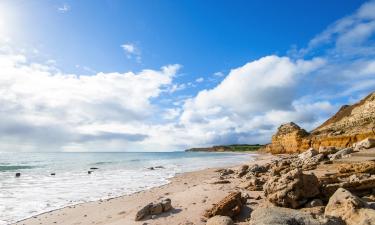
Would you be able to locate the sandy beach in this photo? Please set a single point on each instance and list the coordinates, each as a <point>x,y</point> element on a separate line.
<point>191,194</point>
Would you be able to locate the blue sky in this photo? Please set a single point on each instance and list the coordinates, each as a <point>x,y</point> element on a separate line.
<point>167,75</point>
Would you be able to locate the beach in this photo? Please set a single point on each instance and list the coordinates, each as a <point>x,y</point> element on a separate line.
<point>191,194</point>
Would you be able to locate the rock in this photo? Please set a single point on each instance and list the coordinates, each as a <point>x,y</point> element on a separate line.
<point>167,204</point>
<point>151,168</point>
<point>308,154</point>
<point>53,174</point>
<point>362,167</point>
<point>94,168</point>
<point>254,184</point>
<point>350,124</point>
<point>364,144</point>
<point>89,172</point>
<point>311,163</point>
<point>288,139</point>
<point>142,213</point>
<point>292,189</point>
<point>258,169</point>
<point>154,209</point>
<point>220,220</point>
<point>229,206</point>
<point>359,177</point>
<point>341,153</point>
<point>159,167</point>
<point>243,170</point>
<point>327,150</point>
<point>314,203</point>
<point>285,216</point>
<point>226,172</point>
<point>356,186</point>
<point>18,174</point>
<point>220,182</point>
<point>349,208</point>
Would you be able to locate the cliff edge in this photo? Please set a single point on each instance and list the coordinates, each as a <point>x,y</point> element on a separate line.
<point>352,123</point>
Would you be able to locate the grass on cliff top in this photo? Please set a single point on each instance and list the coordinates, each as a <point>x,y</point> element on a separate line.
<point>243,148</point>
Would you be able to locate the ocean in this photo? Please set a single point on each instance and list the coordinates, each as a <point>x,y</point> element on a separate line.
<point>37,191</point>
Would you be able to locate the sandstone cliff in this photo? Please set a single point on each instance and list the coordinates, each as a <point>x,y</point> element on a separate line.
<point>348,126</point>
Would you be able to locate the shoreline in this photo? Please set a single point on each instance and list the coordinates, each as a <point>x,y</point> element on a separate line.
<point>69,214</point>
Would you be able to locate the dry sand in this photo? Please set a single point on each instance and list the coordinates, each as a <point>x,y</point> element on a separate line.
<point>191,193</point>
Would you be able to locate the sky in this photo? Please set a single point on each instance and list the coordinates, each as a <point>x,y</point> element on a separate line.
<point>161,75</point>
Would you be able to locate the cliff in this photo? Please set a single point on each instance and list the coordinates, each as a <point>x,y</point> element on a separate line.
<point>349,125</point>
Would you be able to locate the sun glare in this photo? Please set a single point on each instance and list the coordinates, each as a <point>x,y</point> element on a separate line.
<point>5,19</point>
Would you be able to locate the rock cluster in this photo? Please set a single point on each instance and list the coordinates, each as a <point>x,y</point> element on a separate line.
<point>300,197</point>
<point>154,209</point>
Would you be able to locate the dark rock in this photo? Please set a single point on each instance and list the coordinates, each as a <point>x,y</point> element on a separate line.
<point>18,174</point>
<point>229,206</point>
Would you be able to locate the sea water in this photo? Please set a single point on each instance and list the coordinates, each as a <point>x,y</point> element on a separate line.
<point>37,191</point>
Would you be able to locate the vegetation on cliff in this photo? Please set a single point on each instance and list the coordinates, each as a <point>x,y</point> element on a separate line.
<point>228,148</point>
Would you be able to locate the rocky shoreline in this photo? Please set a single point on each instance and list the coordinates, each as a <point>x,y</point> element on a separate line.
<point>327,177</point>
<point>328,186</point>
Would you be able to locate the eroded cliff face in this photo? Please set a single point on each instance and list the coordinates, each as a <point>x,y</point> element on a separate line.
<point>348,126</point>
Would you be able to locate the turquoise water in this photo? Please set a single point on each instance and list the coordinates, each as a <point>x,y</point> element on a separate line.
<point>37,191</point>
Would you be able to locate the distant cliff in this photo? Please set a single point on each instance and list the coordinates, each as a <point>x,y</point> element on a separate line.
<point>227,148</point>
<point>350,124</point>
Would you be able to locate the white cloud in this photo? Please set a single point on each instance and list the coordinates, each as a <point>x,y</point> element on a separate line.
<point>42,105</point>
<point>132,51</point>
<point>45,108</point>
<point>219,74</point>
<point>64,8</point>
<point>199,80</point>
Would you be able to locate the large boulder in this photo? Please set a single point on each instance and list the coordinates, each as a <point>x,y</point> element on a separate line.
<point>220,220</point>
<point>364,144</point>
<point>229,206</point>
<point>308,154</point>
<point>285,216</point>
<point>349,208</point>
<point>292,189</point>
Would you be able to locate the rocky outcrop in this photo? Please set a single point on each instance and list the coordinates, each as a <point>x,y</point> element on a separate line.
<point>349,125</point>
<point>292,189</point>
<point>288,139</point>
<point>229,206</point>
<point>349,208</point>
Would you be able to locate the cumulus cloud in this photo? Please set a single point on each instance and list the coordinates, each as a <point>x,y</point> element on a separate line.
<point>42,105</point>
<point>45,108</point>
